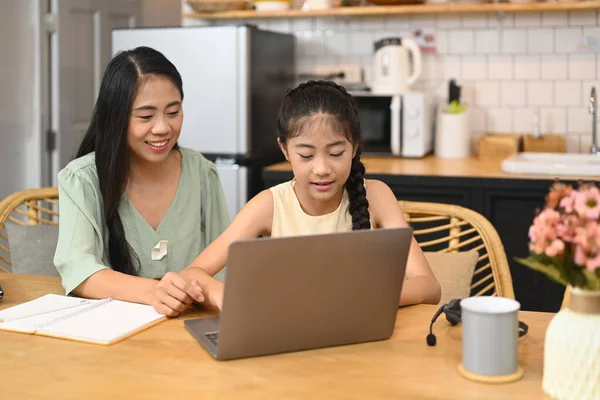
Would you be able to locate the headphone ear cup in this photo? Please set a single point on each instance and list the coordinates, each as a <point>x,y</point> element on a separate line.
<point>453,317</point>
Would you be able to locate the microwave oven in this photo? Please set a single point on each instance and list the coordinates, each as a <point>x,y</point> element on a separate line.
<point>399,125</point>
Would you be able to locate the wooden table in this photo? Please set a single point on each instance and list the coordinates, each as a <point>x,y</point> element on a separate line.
<point>165,362</point>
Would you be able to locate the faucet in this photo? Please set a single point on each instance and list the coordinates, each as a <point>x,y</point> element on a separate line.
<point>593,109</point>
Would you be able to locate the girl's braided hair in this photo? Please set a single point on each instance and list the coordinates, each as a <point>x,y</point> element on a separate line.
<point>327,98</point>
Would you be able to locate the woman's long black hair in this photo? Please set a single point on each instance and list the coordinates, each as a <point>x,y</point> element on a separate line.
<point>107,137</point>
<point>324,97</point>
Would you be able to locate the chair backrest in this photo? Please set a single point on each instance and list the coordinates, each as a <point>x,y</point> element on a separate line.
<point>449,228</point>
<point>27,207</point>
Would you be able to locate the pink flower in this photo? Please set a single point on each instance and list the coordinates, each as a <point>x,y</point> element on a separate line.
<point>587,202</point>
<point>543,231</point>
<point>565,228</point>
<point>557,247</point>
<point>593,263</point>
<point>568,202</point>
<point>587,246</point>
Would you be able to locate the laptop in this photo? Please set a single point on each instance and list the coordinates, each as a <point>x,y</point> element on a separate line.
<point>306,292</point>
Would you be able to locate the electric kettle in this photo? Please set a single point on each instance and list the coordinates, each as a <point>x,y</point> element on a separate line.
<point>391,72</point>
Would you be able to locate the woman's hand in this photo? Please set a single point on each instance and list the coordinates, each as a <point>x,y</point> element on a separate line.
<point>173,294</point>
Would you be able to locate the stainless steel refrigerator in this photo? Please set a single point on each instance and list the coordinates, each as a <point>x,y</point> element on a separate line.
<point>234,78</point>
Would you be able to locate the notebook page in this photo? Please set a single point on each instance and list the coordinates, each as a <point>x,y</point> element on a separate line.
<point>30,324</point>
<point>41,305</point>
<point>103,323</point>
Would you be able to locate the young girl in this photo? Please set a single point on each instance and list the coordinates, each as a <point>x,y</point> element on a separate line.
<point>134,207</point>
<point>319,134</point>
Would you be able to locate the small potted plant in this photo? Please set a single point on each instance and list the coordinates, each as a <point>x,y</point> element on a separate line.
<point>564,244</point>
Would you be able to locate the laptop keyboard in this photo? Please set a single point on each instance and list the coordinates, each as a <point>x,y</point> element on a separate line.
<point>213,337</point>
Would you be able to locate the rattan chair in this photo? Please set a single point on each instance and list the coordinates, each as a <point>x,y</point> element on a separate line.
<point>27,207</point>
<point>450,228</point>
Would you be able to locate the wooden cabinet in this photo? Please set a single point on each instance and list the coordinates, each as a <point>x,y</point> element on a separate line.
<point>508,203</point>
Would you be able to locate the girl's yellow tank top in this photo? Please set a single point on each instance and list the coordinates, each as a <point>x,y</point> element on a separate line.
<point>290,220</point>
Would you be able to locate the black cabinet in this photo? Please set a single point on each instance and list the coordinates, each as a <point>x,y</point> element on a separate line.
<point>509,204</point>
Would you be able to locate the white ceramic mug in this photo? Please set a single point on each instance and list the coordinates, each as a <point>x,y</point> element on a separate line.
<point>490,330</point>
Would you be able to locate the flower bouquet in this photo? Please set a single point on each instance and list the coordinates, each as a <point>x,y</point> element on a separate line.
<point>564,244</point>
<point>565,237</point>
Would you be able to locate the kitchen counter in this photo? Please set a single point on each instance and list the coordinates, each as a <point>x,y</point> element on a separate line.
<point>471,167</point>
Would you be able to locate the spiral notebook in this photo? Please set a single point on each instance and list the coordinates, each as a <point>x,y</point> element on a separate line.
<point>104,321</point>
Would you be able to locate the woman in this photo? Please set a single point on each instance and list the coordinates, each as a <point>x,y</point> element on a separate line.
<point>135,208</point>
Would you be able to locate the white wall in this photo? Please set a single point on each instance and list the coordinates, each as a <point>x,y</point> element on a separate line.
<point>509,68</point>
<point>20,124</point>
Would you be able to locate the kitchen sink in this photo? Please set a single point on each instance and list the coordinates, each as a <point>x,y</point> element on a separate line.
<point>553,164</point>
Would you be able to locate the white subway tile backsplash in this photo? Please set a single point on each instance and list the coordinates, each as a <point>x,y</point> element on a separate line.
<point>424,21</point>
<point>308,44</point>
<point>303,24</point>
<point>540,93</point>
<point>501,21</point>
<point>441,42</point>
<point>468,93</point>
<point>431,69</point>
<point>582,18</point>
<point>572,144</point>
<point>582,66</point>
<point>487,42</point>
<point>567,39</point>
<point>595,32</point>
<point>399,22</point>
<point>528,20</point>
<point>555,19</point>
<point>280,25</point>
<point>523,120</point>
<point>336,44</point>
<point>474,67</point>
<point>540,41</point>
<point>514,41</point>
<point>499,120</point>
<point>451,67</point>
<point>461,42</point>
<point>585,142</point>
<point>449,21</point>
<point>487,93</point>
<point>553,120</point>
<point>513,94</point>
<point>327,24</point>
<point>579,121</point>
<point>500,67</point>
<point>373,23</point>
<point>362,43</point>
<point>554,66</point>
<point>478,118</point>
<point>567,93</point>
<point>527,67</point>
<point>473,21</point>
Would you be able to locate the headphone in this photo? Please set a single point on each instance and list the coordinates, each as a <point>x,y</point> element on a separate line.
<point>453,315</point>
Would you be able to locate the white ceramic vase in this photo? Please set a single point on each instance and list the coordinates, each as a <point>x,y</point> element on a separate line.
<point>572,349</point>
